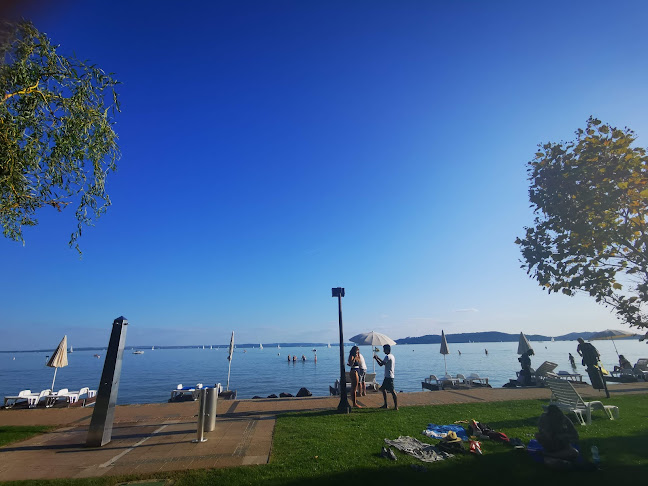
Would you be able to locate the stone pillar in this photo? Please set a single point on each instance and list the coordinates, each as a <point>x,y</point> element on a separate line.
<point>100,432</point>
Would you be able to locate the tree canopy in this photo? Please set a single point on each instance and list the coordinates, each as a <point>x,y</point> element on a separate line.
<point>590,199</point>
<point>57,142</point>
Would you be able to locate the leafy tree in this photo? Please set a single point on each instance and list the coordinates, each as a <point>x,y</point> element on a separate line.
<point>57,142</point>
<point>590,199</point>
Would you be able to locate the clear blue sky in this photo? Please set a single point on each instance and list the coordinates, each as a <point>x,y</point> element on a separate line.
<point>273,150</point>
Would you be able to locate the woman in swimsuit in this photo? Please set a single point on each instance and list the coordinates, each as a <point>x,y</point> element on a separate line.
<point>354,363</point>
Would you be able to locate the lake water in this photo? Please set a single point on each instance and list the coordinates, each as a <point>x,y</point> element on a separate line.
<point>150,377</point>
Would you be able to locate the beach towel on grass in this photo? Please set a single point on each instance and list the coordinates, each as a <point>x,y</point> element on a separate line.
<point>440,431</point>
<point>420,450</point>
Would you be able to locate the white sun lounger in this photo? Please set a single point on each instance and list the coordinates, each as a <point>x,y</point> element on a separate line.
<point>474,378</point>
<point>565,397</point>
<point>75,396</point>
<point>432,381</point>
<point>11,400</point>
<point>33,399</point>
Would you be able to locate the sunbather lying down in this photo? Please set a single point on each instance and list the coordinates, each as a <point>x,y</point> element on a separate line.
<point>556,434</point>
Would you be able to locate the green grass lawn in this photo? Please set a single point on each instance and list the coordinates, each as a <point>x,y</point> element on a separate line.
<point>326,447</point>
<point>15,434</point>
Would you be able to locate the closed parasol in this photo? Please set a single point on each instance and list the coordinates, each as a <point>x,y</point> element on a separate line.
<point>59,358</point>
<point>523,344</point>
<point>444,350</point>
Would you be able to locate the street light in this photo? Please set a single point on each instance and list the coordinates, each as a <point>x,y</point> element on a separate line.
<point>344,406</point>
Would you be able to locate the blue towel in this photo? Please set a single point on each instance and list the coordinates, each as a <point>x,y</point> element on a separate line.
<point>440,431</point>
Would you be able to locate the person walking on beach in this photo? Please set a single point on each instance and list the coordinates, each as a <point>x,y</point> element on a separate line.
<point>572,361</point>
<point>362,375</point>
<point>354,363</point>
<point>389,363</point>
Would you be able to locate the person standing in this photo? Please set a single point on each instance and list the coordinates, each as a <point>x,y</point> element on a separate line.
<point>389,363</point>
<point>591,357</point>
<point>588,352</point>
<point>525,362</point>
<point>354,363</point>
<point>362,376</point>
<point>572,361</point>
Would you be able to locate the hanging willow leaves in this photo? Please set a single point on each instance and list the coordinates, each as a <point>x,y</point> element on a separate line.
<point>57,142</point>
<point>590,199</point>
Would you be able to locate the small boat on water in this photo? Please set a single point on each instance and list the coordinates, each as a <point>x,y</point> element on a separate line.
<point>71,349</point>
<point>260,346</point>
<point>97,356</point>
<point>138,351</point>
<point>152,348</point>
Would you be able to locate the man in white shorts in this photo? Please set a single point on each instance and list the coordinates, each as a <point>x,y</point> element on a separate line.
<point>389,363</point>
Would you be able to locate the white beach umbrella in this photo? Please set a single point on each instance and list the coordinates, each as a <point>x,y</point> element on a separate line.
<point>372,339</point>
<point>59,358</point>
<point>444,350</point>
<point>523,344</point>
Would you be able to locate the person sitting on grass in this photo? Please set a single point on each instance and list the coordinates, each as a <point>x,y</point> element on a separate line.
<point>388,383</point>
<point>556,434</point>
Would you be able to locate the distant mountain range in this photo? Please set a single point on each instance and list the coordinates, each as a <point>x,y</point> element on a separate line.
<point>470,337</point>
<point>496,337</point>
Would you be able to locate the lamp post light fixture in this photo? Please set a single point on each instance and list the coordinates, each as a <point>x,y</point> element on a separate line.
<point>344,406</point>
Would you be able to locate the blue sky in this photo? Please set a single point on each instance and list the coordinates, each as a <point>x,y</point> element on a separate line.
<point>273,150</point>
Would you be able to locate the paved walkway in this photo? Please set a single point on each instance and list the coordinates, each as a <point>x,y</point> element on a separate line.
<point>152,438</point>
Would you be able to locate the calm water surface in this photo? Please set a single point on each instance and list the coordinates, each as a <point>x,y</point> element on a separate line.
<point>150,377</point>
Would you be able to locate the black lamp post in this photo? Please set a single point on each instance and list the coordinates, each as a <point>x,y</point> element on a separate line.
<point>344,406</point>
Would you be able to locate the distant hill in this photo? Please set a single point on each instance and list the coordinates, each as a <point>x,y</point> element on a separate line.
<point>496,337</point>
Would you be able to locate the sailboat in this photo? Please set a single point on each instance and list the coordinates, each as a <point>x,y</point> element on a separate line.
<point>152,348</point>
<point>210,347</point>
<point>71,350</point>
<point>278,347</point>
<point>260,346</point>
<point>329,345</point>
<point>553,340</point>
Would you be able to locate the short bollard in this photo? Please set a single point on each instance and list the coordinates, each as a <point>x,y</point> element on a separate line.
<point>210,408</point>
<point>201,417</point>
